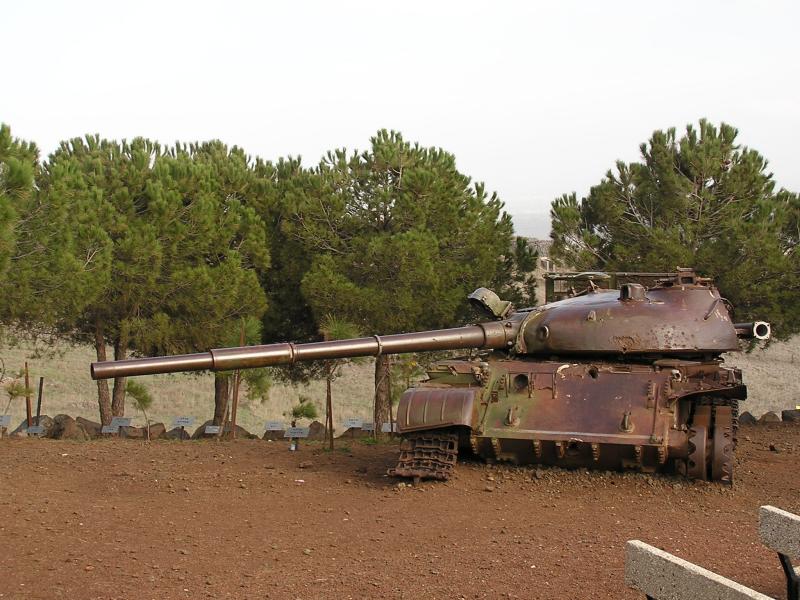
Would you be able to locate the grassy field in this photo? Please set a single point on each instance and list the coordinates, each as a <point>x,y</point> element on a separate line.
<point>769,374</point>
<point>69,389</point>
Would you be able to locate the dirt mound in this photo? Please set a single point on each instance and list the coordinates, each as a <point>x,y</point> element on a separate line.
<point>273,435</point>
<point>66,428</point>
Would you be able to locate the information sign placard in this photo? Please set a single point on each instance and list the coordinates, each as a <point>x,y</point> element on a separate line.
<point>352,423</point>
<point>296,432</point>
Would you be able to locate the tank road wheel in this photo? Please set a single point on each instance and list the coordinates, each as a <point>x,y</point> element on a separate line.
<point>723,444</point>
<point>697,463</point>
<point>427,455</point>
<point>712,439</point>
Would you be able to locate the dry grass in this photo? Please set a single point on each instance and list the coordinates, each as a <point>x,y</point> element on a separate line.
<point>771,376</point>
<point>69,389</point>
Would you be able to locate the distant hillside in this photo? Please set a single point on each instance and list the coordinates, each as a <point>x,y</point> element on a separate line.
<point>770,376</point>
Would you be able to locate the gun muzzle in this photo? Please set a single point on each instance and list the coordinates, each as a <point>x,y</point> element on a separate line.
<point>759,330</point>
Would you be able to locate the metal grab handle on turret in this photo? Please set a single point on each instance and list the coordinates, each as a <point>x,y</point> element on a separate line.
<point>492,335</point>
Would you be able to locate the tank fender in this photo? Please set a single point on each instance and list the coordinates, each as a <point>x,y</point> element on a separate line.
<point>432,408</point>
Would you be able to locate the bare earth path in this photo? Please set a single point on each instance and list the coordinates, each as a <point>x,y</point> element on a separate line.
<point>117,519</point>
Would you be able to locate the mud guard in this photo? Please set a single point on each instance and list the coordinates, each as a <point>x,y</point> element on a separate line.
<point>434,408</point>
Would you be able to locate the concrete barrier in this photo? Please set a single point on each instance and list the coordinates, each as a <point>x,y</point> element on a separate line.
<point>779,531</point>
<point>662,576</point>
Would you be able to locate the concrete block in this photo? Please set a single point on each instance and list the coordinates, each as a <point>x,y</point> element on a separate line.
<point>779,530</point>
<point>666,577</point>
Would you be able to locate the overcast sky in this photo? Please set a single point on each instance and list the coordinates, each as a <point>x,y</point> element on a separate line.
<point>536,99</point>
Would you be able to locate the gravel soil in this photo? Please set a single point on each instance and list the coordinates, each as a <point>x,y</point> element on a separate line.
<point>248,519</point>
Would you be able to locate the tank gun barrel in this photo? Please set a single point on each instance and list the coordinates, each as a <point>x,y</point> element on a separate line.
<point>491,335</point>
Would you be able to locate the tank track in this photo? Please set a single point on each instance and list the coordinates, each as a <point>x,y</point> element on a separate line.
<point>427,455</point>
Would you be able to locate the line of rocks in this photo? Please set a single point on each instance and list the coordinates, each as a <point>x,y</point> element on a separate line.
<point>787,416</point>
<point>64,427</point>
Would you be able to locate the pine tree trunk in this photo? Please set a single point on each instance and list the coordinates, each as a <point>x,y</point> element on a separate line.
<point>220,398</point>
<point>118,395</point>
<point>329,407</point>
<point>103,396</point>
<point>381,394</point>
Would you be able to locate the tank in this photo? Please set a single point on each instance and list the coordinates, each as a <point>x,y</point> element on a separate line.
<point>627,378</point>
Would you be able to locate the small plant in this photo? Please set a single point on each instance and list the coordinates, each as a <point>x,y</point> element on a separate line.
<point>16,388</point>
<point>142,400</point>
<point>304,410</point>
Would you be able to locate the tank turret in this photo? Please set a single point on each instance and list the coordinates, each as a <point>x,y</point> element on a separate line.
<point>608,378</point>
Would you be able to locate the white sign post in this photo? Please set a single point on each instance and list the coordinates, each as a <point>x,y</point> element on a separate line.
<point>273,426</point>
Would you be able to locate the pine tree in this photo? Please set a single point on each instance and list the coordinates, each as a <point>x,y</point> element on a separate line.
<point>179,253</point>
<point>18,165</point>
<point>700,200</point>
<point>397,239</point>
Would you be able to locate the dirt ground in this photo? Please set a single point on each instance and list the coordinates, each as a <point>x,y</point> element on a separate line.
<point>248,519</point>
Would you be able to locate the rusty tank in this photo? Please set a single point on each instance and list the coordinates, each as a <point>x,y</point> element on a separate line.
<point>627,378</point>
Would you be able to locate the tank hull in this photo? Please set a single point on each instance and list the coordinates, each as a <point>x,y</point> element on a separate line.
<point>661,416</point>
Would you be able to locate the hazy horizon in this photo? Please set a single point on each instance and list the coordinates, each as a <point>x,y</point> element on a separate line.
<point>534,99</point>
